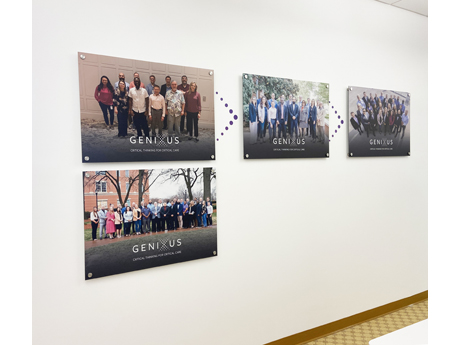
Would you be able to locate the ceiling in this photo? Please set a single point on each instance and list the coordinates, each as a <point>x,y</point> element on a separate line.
<point>416,6</point>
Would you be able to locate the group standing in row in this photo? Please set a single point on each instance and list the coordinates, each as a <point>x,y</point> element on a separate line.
<point>379,113</point>
<point>152,109</point>
<point>299,121</point>
<point>150,217</point>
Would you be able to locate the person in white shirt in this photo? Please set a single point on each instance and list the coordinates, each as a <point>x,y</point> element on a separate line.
<point>138,107</point>
<point>157,110</point>
<point>94,223</point>
<point>272,121</point>
<point>210,211</point>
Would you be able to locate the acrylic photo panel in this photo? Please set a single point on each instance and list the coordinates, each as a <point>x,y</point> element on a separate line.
<point>285,118</point>
<point>111,133</point>
<point>378,122</point>
<point>142,234</point>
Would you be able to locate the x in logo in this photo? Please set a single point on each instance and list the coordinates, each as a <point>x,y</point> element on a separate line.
<point>161,142</point>
<point>163,245</point>
<point>292,141</point>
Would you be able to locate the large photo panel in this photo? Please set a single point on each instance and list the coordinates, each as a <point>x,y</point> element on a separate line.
<point>167,116</point>
<point>137,219</point>
<point>285,118</point>
<point>378,122</point>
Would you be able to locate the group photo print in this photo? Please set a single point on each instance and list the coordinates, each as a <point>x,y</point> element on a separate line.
<point>133,110</point>
<point>285,118</point>
<point>136,219</point>
<point>379,122</point>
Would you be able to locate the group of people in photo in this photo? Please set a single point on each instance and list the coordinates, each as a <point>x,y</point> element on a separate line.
<point>380,113</point>
<point>282,118</point>
<point>150,110</point>
<point>151,217</point>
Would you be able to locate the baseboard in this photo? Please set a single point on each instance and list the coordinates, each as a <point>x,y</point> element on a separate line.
<point>335,326</point>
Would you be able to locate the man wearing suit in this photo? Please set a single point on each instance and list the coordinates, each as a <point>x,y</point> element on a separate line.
<point>355,123</point>
<point>313,117</point>
<point>102,214</point>
<point>403,107</point>
<point>253,121</point>
<point>359,115</point>
<point>366,122</point>
<point>365,100</point>
<point>165,88</point>
<point>281,115</point>
<point>198,212</point>
<point>294,113</point>
<point>164,213</point>
<point>386,122</point>
<point>372,122</point>
<point>184,87</point>
<point>308,105</point>
<point>173,215</point>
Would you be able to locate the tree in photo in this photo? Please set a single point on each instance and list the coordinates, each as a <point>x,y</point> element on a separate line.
<point>254,83</point>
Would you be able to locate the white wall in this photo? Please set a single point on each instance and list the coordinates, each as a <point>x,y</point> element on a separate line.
<point>300,242</point>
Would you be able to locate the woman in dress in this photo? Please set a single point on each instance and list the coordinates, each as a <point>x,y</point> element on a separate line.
<point>94,223</point>
<point>313,114</point>
<point>128,219</point>
<point>253,120</point>
<point>118,221</point>
<point>110,222</point>
<point>263,117</point>
<point>380,120</point>
<point>391,121</point>
<point>121,105</point>
<point>271,122</point>
<point>193,110</point>
<point>104,96</point>
<point>303,119</point>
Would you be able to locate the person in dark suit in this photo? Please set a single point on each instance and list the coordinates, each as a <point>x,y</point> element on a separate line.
<point>372,122</point>
<point>386,121</point>
<point>355,123</point>
<point>397,127</point>
<point>165,88</point>
<point>198,209</point>
<point>253,122</point>
<point>294,116</point>
<point>173,215</point>
<point>282,114</point>
<point>365,100</point>
<point>380,120</point>
<point>313,114</point>
<point>372,101</point>
<point>164,213</point>
<point>359,115</point>
<point>365,121</point>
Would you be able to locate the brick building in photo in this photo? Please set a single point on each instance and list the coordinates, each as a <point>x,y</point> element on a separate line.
<point>99,188</point>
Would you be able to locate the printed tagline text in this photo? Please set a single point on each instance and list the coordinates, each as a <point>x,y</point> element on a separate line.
<point>154,150</point>
<point>157,255</point>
